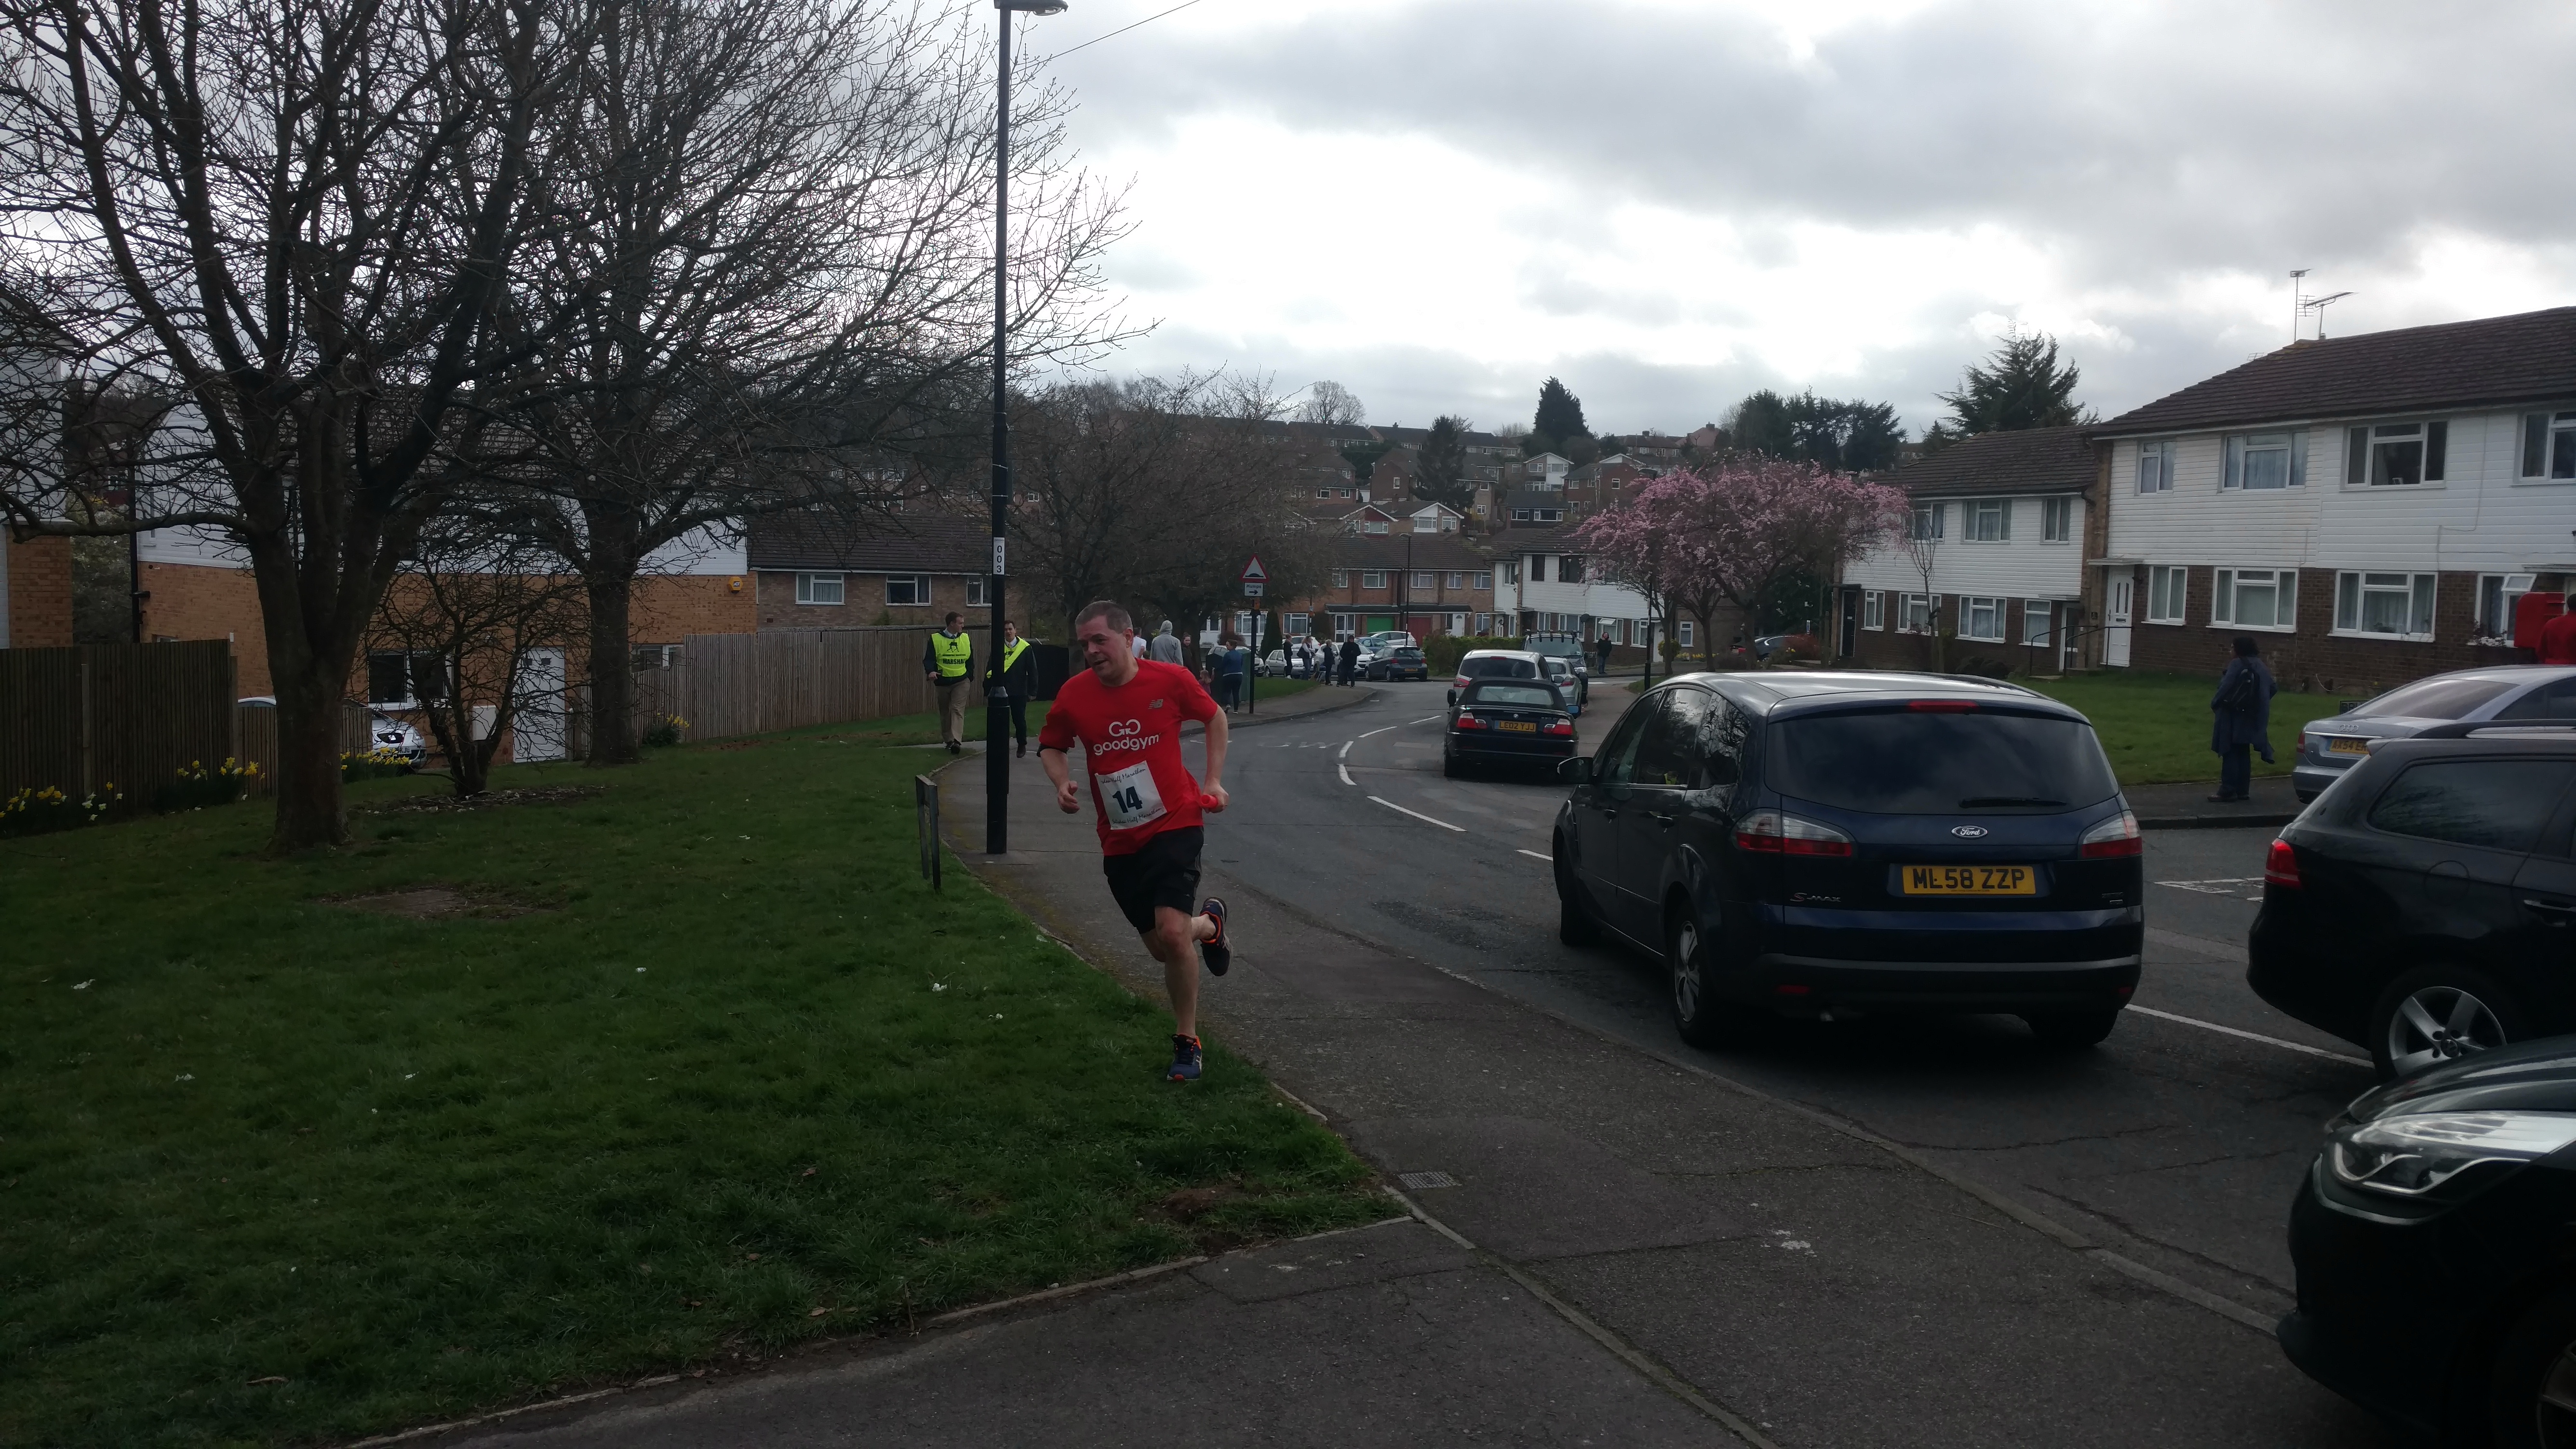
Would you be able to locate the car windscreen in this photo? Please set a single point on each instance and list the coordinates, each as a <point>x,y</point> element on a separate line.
<point>1910,762</point>
<point>1513,696</point>
<point>2444,697</point>
<point>1498,669</point>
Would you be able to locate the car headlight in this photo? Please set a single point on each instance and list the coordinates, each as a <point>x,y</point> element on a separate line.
<point>2412,1156</point>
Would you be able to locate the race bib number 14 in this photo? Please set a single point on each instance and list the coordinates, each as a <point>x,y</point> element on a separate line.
<point>1128,797</point>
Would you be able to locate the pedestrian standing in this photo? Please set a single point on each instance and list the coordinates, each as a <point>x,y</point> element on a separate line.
<point>1227,665</point>
<point>1350,660</point>
<point>1126,712</point>
<point>2241,713</point>
<point>1165,646</point>
<point>948,660</point>
<point>1603,669</point>
<point>1018,681</point>
<point>2557,641</point>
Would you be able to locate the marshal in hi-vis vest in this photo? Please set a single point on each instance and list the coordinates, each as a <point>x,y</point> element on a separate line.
<point>952,653</point>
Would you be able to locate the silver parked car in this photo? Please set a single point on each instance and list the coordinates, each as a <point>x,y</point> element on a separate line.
<point>2540,694</point>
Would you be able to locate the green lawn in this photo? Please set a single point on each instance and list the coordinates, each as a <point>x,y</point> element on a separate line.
<point>275,1169</point>
<point>2156,726</point>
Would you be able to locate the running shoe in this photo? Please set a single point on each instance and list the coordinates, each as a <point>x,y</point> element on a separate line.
<point>1216,951</point>
<point>1185,1059</point>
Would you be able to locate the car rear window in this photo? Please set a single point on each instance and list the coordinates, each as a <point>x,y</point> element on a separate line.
<point>1908,762</point>
<point>1498,669</point>
<point>2500,804</point>
<point>2444,697</point>
<point>1563,649</point>
<point>1522,696</point>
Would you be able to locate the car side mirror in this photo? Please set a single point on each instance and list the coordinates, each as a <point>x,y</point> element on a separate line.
<point>1576,771</point>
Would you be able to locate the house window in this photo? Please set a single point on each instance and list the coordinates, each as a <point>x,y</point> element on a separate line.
<point>2035,622</point>
<point>1374,525</point>
<point>1927,522</point>
<point>1341,578</point>
<point>978,591</point>
<point>1298,624</point>
<point>1873,609</point>
<point>2166,590</point>
<point>1520,515</point>
<point>2255,598</point>
<point>1981,619</point>
<point>1569,569</point>
<point>1422,579</point>
<point>2497,595</point>
<point>2262,461</point>
<point>1686,634</point>
<point>1372,578</point>
<point>826,589</point>
<point>2056,520</point>
<point>2549,445</point>
<point>1550,515</point>
<point>1455,579</point>
<point>2155,467</point>
<point>2395,605</point>
<point>1538,568</point>
<point>903,589</point>
<point>1484,626</point>
<point>2395,455</point>
<point>397,679</point>
<point>1916,615</point>
<point>1485,581</point>
<point>1989,520</point>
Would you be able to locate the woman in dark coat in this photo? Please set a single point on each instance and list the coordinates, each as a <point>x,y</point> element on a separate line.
<point>2241,713</point>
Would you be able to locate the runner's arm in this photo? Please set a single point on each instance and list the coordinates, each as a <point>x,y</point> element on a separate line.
<point>1067,798</point>
<point>1216,759</point>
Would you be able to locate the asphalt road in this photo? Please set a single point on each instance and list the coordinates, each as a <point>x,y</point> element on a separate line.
<point>2180,1140</point>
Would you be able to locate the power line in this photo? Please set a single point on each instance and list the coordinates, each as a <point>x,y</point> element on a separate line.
<point>1121,30</point>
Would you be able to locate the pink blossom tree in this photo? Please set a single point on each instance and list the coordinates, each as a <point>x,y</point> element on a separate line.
<point>1727,532</point>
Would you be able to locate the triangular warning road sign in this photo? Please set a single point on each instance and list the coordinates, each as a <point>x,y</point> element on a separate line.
<point>1253,572</point>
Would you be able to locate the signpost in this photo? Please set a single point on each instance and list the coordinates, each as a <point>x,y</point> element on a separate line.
<point>1254,576</point>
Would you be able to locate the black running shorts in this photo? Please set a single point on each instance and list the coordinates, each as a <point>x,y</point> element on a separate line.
<point>1164,871</point>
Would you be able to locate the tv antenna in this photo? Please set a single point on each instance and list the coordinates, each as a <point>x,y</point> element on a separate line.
<point>2302,305</point>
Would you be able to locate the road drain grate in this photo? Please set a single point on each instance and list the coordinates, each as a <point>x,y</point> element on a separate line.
<point>1420,1180</point>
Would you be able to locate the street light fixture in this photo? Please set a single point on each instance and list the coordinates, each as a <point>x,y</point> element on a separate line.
<point>997,708</point>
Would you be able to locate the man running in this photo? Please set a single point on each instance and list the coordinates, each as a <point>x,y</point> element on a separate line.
<point>1127,712</point>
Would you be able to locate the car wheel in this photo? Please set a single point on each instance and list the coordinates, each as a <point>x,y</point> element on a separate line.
<point>1690,955</point>
<point>2531,1396</point>
<point>2073,1028</point>
<point>1574,923</point>
<point>2440,1014</point>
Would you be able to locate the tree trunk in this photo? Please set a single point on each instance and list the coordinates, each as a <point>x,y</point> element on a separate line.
<point>612,677</point>
<point>309,809</point>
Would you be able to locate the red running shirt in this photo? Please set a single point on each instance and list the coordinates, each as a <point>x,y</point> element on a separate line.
<point>1131,740</point>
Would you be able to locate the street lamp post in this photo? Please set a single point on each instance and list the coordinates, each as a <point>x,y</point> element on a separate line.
<point>997,701</point>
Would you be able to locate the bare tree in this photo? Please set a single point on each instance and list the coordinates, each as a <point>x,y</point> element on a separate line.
<point>1333,405</point>
<point>778,272</point>
<point>293,220</point>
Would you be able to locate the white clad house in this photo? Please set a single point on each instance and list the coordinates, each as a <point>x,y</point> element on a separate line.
<point>1995,556</point>
<point>2368,507</point>
<point>1548,584</point>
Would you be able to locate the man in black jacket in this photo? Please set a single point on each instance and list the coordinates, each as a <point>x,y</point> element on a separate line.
<point>1019,678</point>
<point>2241,713</point>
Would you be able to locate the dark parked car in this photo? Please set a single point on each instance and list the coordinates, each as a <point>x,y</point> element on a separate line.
<point>1833,844</point>
<point>2425,906</point>
<point>1401,662</point>
<point>1507,722</point>
<point>2431,1241</point>
<point>1570,648</point>
<point>2514,695</point>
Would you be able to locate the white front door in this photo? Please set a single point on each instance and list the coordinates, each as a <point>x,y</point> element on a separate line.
<point>538,731</point>
<point>2115,624</point>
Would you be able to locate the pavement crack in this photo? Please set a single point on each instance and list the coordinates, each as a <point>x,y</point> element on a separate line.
<point>2114,1136</point>
<point>2135,1233</point>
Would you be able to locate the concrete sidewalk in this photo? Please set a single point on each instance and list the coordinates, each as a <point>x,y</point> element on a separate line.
<point>2187,806</point>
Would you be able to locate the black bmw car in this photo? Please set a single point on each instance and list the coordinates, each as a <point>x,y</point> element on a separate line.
<point>1508,722</point>
<point>1829,845</point>
<point>2435,1239</point>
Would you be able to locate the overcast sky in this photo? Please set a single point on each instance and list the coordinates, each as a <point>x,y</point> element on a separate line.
<point>1439,204</point>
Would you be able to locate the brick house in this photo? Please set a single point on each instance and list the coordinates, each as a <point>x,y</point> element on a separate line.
<point>821,570</point>
<point>35,593</point>
<point>1995,555</point>
<point>2368,507</point>
<point>1429,582</point>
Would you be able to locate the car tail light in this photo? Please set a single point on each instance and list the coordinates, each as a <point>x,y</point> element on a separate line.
<point>2116,836</point>
<point>1942,706</point>
<point>2281,865</point>
<point>1470,722</point>
<point>1773,833</point>
<point>1560,727</point>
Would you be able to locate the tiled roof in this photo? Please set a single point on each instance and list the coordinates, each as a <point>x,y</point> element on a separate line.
<point>1386,550</point>
<point>916,543</point>
<point>2528,357</point>
<point>2025,460</point>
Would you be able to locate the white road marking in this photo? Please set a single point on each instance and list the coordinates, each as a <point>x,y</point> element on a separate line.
<point>1534,855</point>
<point>1418,815</point>
<point>2252,1036</point>
<point>1426,719</point>
<point>1346,750</point>
<point>1380,731</point>
<point>2223,886</point>
<point>1346,774</point>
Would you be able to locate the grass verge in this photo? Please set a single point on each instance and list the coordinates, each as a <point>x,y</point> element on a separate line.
<point>683,1071</point>
<point>2155,727</point>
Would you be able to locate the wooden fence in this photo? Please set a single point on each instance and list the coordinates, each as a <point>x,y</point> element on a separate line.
<point>255,738</point>
<point>743,684</point>
<point>130,716</point>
